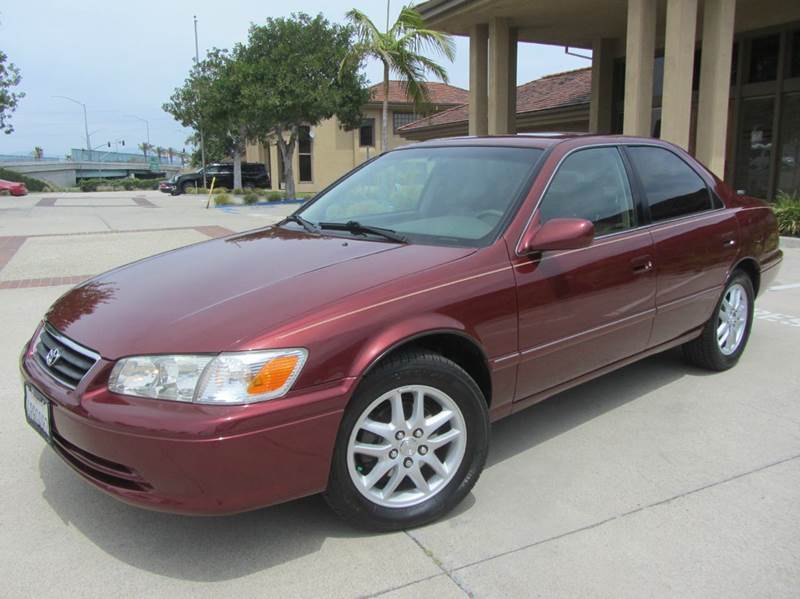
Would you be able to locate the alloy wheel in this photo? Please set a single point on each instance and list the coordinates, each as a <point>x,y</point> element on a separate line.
<point>732,319</point>
<point>406,446</point>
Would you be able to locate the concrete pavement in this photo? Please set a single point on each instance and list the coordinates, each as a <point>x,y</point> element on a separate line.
<point>658,480</point>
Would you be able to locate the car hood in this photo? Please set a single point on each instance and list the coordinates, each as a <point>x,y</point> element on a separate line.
<point>220,294</point>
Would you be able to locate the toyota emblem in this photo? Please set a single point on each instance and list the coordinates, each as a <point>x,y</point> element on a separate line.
<point>52,356</point>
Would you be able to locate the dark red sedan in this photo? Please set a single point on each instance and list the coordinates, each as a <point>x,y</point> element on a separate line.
<point>362,346</point>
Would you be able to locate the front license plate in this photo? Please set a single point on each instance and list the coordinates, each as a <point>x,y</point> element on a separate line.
<point>37,411</point>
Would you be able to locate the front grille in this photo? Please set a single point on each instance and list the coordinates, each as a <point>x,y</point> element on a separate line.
<point>72,362</point>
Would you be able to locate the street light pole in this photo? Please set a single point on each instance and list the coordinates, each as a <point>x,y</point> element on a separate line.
<point>200,125</point>
<point>146,125</point>
<point>85,119</point>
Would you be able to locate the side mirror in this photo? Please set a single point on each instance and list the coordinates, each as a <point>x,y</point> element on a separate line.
<point>558,234</point>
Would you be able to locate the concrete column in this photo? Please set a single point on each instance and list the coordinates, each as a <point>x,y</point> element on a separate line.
<point>715,69</point>
<point>478,74</point>
<point>499,44</point>
<point>676,101</point>
<point>513,40</point>
<point>602,79</point>
<point>639,52</point>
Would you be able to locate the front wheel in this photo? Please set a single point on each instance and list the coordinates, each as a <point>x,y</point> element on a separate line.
<point>725,335</point>
<point>411,445</point>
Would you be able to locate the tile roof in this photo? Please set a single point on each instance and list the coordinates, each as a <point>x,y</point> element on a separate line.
<point>440,93</point>
<point>552,91</point>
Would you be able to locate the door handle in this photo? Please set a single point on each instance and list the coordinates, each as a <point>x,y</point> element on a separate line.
<point>729,239</point>
<point>642,264</point>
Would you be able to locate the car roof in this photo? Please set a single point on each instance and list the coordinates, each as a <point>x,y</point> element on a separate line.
<point>531,140</point>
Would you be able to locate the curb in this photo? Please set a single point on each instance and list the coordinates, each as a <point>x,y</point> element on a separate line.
<point>790,242</point>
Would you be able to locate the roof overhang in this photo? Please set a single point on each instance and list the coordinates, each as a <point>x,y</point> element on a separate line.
<point>566,22</point>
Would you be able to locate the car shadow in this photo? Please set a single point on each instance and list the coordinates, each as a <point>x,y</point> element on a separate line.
<point>207,549</point>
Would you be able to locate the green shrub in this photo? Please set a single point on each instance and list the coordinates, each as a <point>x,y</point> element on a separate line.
<point>251,197</point>
<point>275,196</point>
<point>31,183</point>
<point>220,190</point>
<point>787,211</point>
<point>89,184</point>
<point>222,199</point>
<point>238,191</point>
<point>4,193</point>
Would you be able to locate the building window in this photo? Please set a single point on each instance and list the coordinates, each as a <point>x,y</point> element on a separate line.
<point>366,133</point>
<point>794,62</point>
<point>764,58</point>
<point>400,119</point>
<point>304,153</point>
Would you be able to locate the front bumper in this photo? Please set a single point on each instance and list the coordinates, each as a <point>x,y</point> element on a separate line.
<point>190,458</point>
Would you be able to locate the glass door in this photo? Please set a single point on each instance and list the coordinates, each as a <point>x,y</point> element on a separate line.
<point>754,147</point>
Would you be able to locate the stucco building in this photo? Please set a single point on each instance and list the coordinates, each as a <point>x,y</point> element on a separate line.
<point>326,152</point>
<point>720,78</point>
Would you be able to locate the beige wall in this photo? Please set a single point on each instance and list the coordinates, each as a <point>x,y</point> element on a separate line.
<point>334,151</point>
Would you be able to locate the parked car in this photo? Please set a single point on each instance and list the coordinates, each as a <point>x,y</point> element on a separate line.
<point>169,185</point>
<point>253,175</point>
<point>362,346</point>
<point>13,187</point>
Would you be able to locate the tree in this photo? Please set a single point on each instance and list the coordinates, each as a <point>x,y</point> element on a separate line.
<point>145,148</point>
<point>171,154</point>
<point>159,152</point>
<point>292,75</point>
<point>38,153</point>
<point>400,50</point>
<point>211,99</point>
<point>9,78</point>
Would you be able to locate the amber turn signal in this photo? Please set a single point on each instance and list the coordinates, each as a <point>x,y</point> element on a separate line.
<point>273,375</point>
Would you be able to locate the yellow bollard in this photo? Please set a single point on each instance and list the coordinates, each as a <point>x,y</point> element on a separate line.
<point>210,191</point>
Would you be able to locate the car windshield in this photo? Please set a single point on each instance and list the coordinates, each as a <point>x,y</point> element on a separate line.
<point>438,195</point>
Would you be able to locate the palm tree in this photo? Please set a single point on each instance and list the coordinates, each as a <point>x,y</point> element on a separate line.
<point>400,50</point>
<point>160,151</point>
<point>145,148</point>
<point>171,153</point>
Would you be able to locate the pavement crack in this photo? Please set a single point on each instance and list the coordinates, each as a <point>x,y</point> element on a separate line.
<point>440,565</point>
<point>618,516</point>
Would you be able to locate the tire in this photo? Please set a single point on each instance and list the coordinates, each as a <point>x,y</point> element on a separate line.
<point>441,383</point>
<point>707,351</point>
<point>185,187</point>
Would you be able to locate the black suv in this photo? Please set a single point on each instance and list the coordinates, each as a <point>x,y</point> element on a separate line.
<point>253,175</point>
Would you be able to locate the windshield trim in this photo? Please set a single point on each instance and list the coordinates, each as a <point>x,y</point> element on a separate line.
<point>424,239</point>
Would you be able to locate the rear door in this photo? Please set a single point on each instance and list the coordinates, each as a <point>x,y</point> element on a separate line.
<point>581,310</point>
<point>695,240</point>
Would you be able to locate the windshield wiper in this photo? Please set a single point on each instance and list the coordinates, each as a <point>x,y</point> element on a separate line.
<point>306,224</point>
<point>356,227</point>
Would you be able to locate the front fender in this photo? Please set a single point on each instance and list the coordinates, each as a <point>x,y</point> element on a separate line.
<point>399,333</point>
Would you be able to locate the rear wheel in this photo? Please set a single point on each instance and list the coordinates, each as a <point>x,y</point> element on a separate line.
<point>411,445</point>
<point>187,187</point>
<point>726,333</point>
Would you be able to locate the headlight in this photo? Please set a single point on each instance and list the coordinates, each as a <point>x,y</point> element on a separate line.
<point>229,378</point>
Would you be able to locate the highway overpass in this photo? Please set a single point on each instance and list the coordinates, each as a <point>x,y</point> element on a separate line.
<point>83,164</point>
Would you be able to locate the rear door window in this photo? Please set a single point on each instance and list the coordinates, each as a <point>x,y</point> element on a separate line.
<point>670,186</point>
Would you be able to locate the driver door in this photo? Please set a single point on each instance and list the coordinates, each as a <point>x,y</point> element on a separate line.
<point>581,310</point>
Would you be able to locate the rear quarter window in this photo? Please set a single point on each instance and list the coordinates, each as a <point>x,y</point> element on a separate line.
<point>671,187</point>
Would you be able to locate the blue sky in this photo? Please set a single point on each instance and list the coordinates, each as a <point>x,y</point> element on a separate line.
<point>123,59</point>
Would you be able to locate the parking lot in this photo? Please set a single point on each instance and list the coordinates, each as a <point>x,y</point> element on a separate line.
<point>659,480</point>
